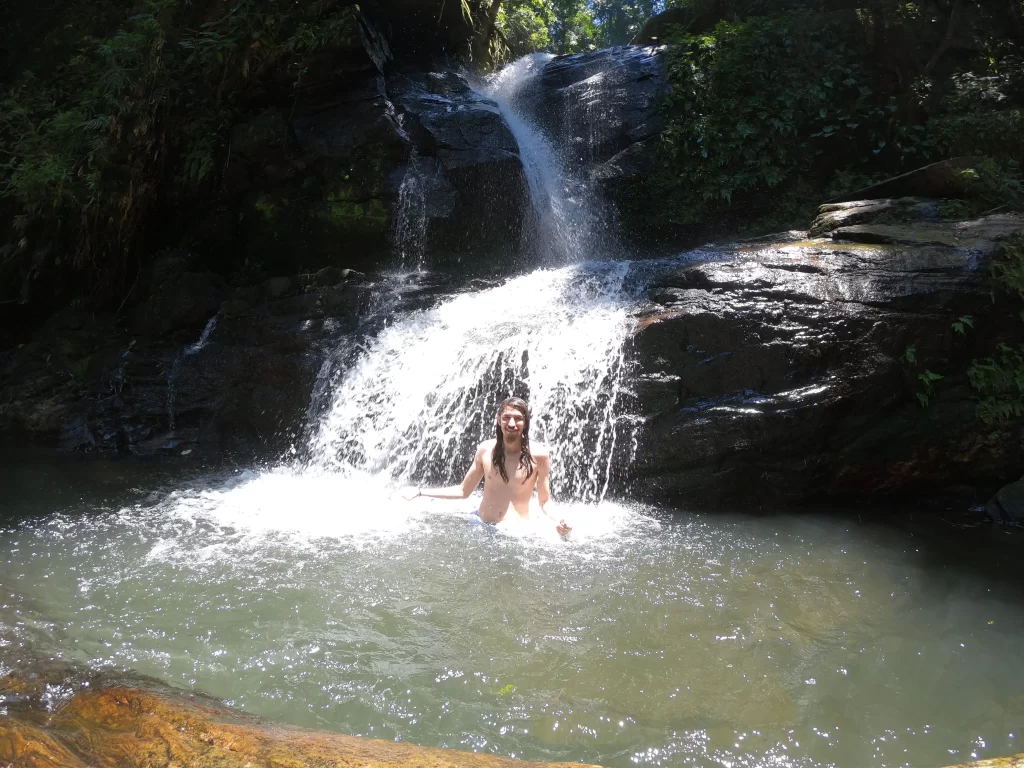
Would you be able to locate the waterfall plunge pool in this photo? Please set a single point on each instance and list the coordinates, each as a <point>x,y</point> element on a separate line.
<point>647,638</point>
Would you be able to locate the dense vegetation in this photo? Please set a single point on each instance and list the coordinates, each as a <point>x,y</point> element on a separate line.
<point>114,111</point>
<point>809,104</point>
<point>122,120</point>
<point>115,115</point>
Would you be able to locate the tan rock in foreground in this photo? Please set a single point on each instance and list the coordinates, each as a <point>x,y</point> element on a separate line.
<point>132,728</point>
<point>1015,761</point>
<point>127,728</point>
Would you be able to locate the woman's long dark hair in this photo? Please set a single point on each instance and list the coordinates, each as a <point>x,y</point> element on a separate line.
<point>498,454</point>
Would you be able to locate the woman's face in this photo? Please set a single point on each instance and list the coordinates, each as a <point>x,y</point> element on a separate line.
<point>512,422</point>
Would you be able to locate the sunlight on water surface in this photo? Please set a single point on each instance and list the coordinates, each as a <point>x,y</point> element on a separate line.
<point>643,639</point>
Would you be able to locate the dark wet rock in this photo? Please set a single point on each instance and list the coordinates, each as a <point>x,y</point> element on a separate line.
<point>901,210</point>
<point>238,382</point>
<point>358,118</point>
<point>631,166</point>
<point>467,178</point>
<point>980,236</point>
<point>1007,506</point>
<point>265,129</point>
<point>600,103</point>
<point>332,185</point>
<point>779,372</point>
<point>177,297</point>
<point>939,180</point>
<point>603,110</point>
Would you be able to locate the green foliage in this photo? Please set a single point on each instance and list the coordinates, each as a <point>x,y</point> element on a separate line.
<point>778,93</point>
<point>994,184</point>
<point>619,20</point>
<point>990,134</point>
<point>999,384</point>
<point>998,380</point>
<point>574,29</point>
<point>760,103</point>
<point>524,27</point>
<point>1008,268</point>
<point>928,380</point>
<point>961,325</point>
<point>143,113</point>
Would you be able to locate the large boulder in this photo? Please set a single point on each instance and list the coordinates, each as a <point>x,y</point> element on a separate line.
<point>414,159</point>
<point>236,382</point>
<point>789,369</point>
<point>465,191</point>
<point>96,719</point>
<point>598,104</point>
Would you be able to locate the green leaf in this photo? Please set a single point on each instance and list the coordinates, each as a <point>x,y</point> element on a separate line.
<point>961,325</point>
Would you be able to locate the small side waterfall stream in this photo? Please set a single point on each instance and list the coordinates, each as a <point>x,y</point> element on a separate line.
<point>172,377</point>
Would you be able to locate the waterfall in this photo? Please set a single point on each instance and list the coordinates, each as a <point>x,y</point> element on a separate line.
<point>410,234</point>
<point>417,402</point>
<point>422,393</point>
<point>172,377</point>
<point>569,222</point>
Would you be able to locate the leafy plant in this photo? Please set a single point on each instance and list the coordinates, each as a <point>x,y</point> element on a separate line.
<point>140,116</point>
<point>999,383</point>
<point>961,325</point>
<point>928,380</point>
<point>760,103</point>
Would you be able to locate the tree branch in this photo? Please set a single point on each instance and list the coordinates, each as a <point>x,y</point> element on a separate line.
<point>947,40</point>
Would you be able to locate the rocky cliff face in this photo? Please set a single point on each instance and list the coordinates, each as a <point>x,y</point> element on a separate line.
<point>415,155</point>
<point>778,369</point>
<point>196,366</point>
<point>377,161</point>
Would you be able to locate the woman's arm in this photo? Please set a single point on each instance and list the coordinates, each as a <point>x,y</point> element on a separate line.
<point>544,494</point>
<point>469,483</point>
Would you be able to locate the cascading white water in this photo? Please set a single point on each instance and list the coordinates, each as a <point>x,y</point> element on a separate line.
<point>416,403</point>
<point>410,234</point>
<point>423,395</point>
<point>569,223</point>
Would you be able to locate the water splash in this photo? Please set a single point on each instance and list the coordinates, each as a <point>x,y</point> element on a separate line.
<point>416,404</point>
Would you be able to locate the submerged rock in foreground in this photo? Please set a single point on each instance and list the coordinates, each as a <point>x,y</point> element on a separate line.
<point>789,369</point>
<point>129,727</point>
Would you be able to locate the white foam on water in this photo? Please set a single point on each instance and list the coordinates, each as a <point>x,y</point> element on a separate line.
<point>271,514</point>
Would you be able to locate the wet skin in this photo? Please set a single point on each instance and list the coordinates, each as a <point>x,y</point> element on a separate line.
<point>507,500</point>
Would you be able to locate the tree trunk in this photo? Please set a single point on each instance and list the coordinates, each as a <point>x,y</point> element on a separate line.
<point>481,48</point>
<point>947,40</point>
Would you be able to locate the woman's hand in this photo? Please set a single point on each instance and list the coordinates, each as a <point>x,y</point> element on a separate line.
<point>408,494</point>
<point>563,528</point>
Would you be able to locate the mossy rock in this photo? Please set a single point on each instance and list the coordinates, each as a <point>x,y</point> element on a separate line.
<point>356,218</point>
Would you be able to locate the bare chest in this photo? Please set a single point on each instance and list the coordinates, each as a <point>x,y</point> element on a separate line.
<point>519,478</point>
